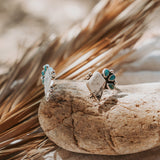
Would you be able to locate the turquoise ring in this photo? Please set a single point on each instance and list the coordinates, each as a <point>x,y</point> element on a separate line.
<point>48,76</point>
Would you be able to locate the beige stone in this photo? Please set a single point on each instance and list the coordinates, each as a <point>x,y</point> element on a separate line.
<point>96,85</point>
<point>125,121</point>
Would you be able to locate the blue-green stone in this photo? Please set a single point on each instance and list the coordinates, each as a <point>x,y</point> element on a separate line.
<point>45,67</point>
<point>43,72</point>
<point>112,77</point>
<point>111,85</point>
<point>106,72</point>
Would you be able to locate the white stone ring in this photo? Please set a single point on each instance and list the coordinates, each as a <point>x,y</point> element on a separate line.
<point>48,77</point>
<point>98,82</point>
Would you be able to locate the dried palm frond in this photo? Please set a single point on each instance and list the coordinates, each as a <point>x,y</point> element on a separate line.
<point>112,26</point>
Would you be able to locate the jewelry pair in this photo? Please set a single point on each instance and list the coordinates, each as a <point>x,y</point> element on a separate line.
<point>96,82</point>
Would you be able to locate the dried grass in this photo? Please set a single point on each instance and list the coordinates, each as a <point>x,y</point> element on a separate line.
<point>113,25</point>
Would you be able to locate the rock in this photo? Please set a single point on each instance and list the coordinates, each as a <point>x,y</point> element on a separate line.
<point>124,121</point>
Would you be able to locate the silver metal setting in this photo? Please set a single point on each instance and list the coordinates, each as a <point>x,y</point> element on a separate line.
<point>97,82</point>
<point>48,80</point>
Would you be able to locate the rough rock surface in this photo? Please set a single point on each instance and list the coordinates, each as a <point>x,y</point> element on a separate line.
<point>125,121</point>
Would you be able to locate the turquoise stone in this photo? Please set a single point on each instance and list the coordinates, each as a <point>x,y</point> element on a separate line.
<point>106,72</point>
<point>112,77</point>
<point>111,85</point>
<point>45,67</point>
<point>43,72</point>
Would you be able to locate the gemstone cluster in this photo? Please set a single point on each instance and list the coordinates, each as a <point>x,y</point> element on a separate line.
<point>110,77</point>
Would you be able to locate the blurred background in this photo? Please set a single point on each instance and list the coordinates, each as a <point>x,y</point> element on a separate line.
<point>23,22</point>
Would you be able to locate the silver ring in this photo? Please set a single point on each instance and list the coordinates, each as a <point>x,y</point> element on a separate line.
<point>48,80</point>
